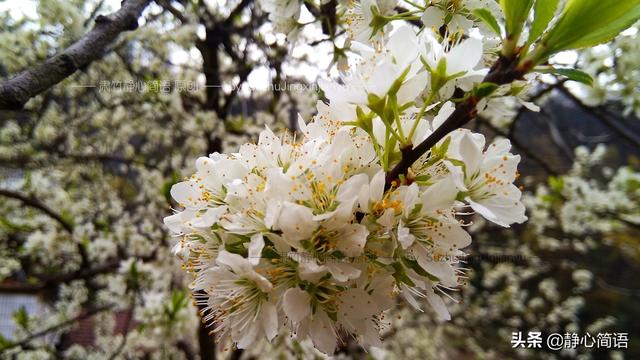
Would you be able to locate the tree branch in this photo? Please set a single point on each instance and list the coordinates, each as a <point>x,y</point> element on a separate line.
<point>126,330</point>
<point>525,151</point>
<point>15,92</point>
<point>166,4</point>
<point>504,71</point>
<point>36,204</point>
<point>90,272</point>
<point>84,315</point>
<point>601,114</point>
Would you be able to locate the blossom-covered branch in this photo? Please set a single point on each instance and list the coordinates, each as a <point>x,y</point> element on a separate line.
<point>36,204</point>
<point>15,92</point>
<point>301,233</point>
<point>84,315</point>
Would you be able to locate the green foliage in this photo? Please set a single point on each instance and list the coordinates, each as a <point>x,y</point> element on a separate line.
<point>236,125</point>
<point>556,183</point>
<point>543,13</point>
<point>9,226</point>
<point>179,301</point>
<point>486,16</point>
<point>485,89</point>
<point>21,318</point>
<point>4,342</point>
<point>585,23</point>
<point>570,73</point>
<point>515,14</point>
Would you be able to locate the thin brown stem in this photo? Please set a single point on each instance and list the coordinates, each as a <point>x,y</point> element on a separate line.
<point>36,204</point>
<point>504,71</point>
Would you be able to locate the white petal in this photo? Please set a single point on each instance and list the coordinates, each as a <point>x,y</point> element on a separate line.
<point>272,213</point>
<point>410,198</point>
<point>433,17</point>
<point>349,189</point>
<point>437,304</point>
<point>457,175</point>
<point>322,333</point>
<point>179,222</point>
<point>186,193</point>
<point>465,56</point>
<point>255,248</point>
<point>296,221</point>
<point>452,237</point>
<point>296,304</point>
<point>247,337</point>
<point>210,217</point>
<point>356,304</point>
<point>413,87</point>
<point>376,188</point>
<point>439,196</point>
<point>460,22</point>
<point>352,239</point>
<point>387,219</point>
<point>503,213</point>
<point>405,237</point>
<point>280,244</point>
<point>443,114</point>
<point>269,320</point>
<point>383,291</point>
<point>531,106</point>
<point>237,263</point>
<point>470,153</point>
<point>302,126</point>
<point>438,267</point>
<point>308,269</point>
<point>342,271</point>
<point>407,295</point>
<point>382,78</point>
<point>403,45</point>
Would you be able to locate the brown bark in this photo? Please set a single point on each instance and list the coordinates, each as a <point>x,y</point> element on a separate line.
<point>503,72</point>
<point>15,92</point>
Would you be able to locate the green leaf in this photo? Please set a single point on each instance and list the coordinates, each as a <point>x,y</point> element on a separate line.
<point>485,89</point>
<point>556,183</point>
<point>515,14</point>
<point>21,318</point>
<point>576,75</point>
<point>395,87</point>
<point>400,275</point>
<point>364,121</point>
<point>486,16</point>
<point>378,21</point>
<point>413,264</point>
<point>570,73</point>
<point>4,342</point>
<point>543,13</point>
<point>376,103</point>
<point>586,23</point>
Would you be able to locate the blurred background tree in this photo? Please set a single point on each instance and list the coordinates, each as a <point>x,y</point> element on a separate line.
<point>89,152</point>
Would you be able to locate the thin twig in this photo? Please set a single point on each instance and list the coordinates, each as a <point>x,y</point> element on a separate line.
<point>36,204</point>
<point>603,116</point>
<point>59,326</point>
<point>126,330</point>
<point>504,71</point>
<point>517,143</point>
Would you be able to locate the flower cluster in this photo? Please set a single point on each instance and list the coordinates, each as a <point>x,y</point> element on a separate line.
<point>304,234</point>
<point>309,234</point>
